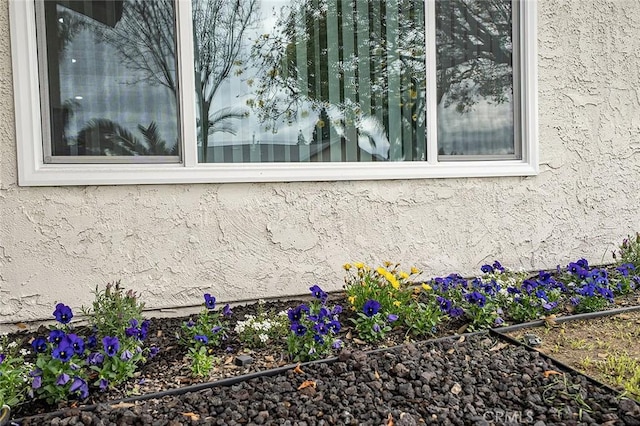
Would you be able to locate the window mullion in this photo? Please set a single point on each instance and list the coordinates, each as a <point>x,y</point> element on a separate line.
<point>432,90</point>
<point>186,82</point>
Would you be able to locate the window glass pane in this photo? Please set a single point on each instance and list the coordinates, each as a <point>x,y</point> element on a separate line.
<point>475,95</point>
<point>310,80</point>
<point>111,78</point>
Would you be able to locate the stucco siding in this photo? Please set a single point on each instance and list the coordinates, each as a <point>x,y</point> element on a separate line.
<point>171,243</point>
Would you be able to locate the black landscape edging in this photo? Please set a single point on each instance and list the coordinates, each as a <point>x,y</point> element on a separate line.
<point>567,318</point>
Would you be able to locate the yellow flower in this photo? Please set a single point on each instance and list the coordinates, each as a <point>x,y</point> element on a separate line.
<point>387,263</point>
<point>394,282</point>
<point>426,287</point>
<point>346,266</point>
<point>404,275</point>
<point>352,299</point>
<point>396,303</point>
<point>414,270</point>
<point>381,271</point>
<point>359,265</point>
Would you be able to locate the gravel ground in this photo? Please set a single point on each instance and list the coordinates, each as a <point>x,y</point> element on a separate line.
<point>476,380</point>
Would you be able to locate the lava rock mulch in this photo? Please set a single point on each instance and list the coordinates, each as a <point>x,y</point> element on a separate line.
<point>472,380</point>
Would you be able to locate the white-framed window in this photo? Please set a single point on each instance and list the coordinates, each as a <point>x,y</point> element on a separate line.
<point>194,91</point>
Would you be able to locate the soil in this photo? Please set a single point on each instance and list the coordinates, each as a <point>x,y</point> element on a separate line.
<point>591,346</point>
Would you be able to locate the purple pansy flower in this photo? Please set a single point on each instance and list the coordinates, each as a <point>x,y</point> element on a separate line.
<point>63,379</point>
<point>371,307</point>
<point>201,338</point>
<point>80,386</point>
<point>318,293</point>
<point>63,313</point>
<point>111,345</point>
<point>298,329</point>
<point>39,345</point>
<point>209,301</point>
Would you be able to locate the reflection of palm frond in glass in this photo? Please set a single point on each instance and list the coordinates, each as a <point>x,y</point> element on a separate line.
<point>222,121</point>
<point>105,137</point>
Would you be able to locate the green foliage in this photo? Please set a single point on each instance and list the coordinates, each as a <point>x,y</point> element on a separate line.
<point>629,251</point>
<point>314,329</point>
<point>480,317</point>
<point>423,318</point>
<point>386,284</point>
<point>593,303</point>
<point>13,373</point>
<point>205,333</point>
<point>529,306</point>
<point>261,329</point>
<point>201,361</point>
<point>371,328</point>
<point>57,376</point>
<point>68,363</point>
<point>120,367</point>
<point>113,309</point>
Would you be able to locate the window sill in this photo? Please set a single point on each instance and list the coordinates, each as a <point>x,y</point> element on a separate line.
<point>125,174</point>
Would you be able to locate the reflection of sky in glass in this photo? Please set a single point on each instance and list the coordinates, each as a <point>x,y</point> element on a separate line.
<point>486,129</point>
<point>92,75</point>
<point>234,92</point>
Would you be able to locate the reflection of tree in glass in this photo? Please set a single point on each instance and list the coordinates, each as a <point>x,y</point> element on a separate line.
<point>144,40</point>
<point>362,63</point>
<point>106,137</point>
<point>474,50</point>
<point>474,58</point>
<point>69,25</point>
<point>219,28</point>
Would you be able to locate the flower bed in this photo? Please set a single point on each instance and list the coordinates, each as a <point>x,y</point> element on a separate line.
<point>121,353</point>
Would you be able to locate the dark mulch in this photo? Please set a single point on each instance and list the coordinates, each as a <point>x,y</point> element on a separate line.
<point>474,380</point>
<point>411,385</point>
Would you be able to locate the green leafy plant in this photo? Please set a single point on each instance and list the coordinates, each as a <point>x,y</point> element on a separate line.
<point>372,324</point>
<point>423,317</point>
<point>629,251</point>
<point>203,334</point>
<point>202,362</point>
<point>387,284</point>
<point>113,309</point>
<point>115,361</point>
<point>313,328</point>
<point>13,373</point>
<point>67,364</point>
<point>262,328</point>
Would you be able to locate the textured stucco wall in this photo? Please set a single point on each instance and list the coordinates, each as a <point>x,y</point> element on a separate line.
<point>240,241</point>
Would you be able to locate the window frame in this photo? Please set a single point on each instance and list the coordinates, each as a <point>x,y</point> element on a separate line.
<point>32,171</point>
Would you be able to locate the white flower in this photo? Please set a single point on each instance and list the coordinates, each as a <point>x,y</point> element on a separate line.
<point>24,352</point>
<point>263,338</point>
<point>12,345</point>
